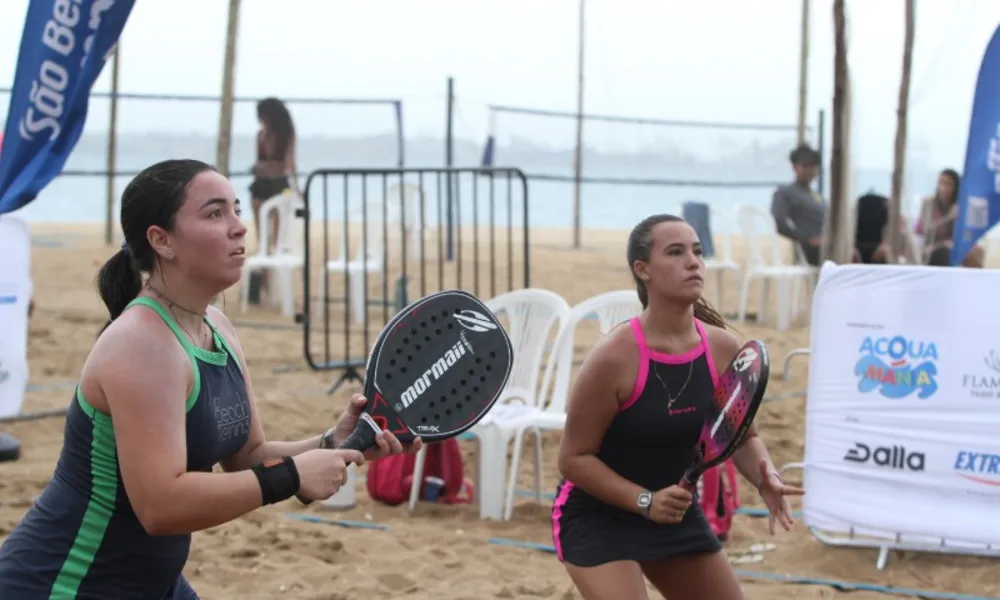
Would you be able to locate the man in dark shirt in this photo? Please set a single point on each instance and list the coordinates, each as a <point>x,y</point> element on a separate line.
<point>798,211</point>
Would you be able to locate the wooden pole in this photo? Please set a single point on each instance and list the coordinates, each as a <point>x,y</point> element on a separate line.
<point>899,156</point>
<point>112,148</point>
<point>838,129</point>
<point>228,86</point>
<point>803,72</point>
<point>578,161</point>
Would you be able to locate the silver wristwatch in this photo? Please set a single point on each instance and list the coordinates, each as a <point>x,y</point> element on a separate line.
<point>643,502</point>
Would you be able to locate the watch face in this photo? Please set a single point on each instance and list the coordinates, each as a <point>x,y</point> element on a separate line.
<point>644,499</point>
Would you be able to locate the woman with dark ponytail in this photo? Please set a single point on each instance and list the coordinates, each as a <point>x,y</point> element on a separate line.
<point>164,396</point>
<point>632,425</point>
<point>118,282</point>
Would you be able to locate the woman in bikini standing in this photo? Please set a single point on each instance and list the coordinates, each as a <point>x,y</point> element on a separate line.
<point>275,169</point>
<point>631,429</point>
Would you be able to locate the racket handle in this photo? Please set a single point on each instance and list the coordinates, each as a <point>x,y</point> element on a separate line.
<point>363,436</point>
<point>688,482</point>
<point>361,439</point>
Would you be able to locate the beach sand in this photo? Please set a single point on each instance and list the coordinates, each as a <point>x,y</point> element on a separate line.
<point>440,552</point>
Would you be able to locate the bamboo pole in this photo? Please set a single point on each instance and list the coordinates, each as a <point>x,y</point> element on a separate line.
<point>899,156</point>
<point>839,128</point>
<point>226,101</point>
<point>112,148</point>
<point>578,160</point>
<point>803,72</point>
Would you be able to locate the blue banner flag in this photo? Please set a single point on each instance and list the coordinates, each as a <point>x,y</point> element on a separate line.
<point>979,192</point>
<point>64,46</point>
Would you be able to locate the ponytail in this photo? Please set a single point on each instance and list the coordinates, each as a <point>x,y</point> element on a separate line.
<point>640,288</point>
<point>118,282</point>
<point>704,312</point>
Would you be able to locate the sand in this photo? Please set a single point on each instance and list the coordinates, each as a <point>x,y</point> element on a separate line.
<point>439,552</point>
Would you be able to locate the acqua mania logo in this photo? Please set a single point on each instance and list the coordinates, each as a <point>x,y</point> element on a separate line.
<point>896,367</point>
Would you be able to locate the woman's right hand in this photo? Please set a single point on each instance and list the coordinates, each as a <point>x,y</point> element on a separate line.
<point>322,472</point>
<point>669,505</point>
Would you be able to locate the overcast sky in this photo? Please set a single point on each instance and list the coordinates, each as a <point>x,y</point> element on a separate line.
<point>721,60</point>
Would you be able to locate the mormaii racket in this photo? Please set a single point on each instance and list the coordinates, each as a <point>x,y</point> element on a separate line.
<point>436,369</point>
<point>728,416</point>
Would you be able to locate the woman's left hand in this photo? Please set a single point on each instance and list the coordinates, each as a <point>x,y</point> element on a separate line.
<point>774,491</point>
<point>387,443</point>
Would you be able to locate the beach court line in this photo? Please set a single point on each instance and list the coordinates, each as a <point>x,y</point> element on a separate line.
<point>339,522</point>
<point>844,586</point>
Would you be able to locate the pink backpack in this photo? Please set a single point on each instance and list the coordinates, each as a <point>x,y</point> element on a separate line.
<point>718,496</point>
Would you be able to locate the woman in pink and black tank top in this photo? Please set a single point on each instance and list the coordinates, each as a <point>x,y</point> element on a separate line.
<point>631,429</point>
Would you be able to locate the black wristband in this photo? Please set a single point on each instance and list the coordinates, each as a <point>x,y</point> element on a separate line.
<point>278,479</point>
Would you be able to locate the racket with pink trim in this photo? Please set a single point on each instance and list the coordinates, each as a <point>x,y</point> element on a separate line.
<point>728,416</point>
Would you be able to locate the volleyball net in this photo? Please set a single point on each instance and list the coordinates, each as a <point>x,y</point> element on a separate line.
<point>631,164</point>
<point>360,132</point>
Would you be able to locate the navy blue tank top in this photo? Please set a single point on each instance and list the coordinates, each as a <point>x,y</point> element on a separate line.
<point>652,439</point>
<point>81,539</point>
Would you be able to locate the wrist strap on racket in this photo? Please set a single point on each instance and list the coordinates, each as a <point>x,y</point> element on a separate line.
<point>363,436</point>
<point>278,479</point>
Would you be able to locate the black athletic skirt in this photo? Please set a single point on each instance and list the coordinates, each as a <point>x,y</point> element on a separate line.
<point>267,187</point>
<point>587,532</point>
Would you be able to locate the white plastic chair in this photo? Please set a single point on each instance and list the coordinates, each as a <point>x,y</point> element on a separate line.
<point>288,255</point>
<point>369,256</point>
<point>406,198</point>
<point>610,309</point>
<point>723,263</point>
<point>758,230</point>
<point>533,315</point>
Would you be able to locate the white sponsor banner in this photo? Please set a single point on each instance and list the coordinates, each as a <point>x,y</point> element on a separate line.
<point>15,294</point>
<point>903,403</point>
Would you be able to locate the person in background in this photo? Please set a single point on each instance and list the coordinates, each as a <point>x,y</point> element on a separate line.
<point>798,211</point>
<point>937,224</point>
<point>871,232</point>
<point>275,169</point>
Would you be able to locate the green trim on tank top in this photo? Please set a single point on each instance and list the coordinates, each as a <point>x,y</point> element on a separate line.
<point>100,506</point>
<point>194,352</point>
<point>212,357</point>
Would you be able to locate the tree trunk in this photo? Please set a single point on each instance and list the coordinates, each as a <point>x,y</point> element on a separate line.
<point>228,86</point>
<point>803,73</point>
<point>838,128</point>
<point>899,157</point>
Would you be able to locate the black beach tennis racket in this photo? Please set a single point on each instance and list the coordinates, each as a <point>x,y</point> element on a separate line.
<point>436,369</point>
<point>727,417</point>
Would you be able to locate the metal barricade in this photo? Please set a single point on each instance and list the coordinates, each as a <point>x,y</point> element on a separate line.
<point>377,238</point>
